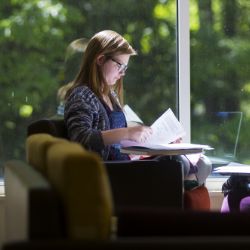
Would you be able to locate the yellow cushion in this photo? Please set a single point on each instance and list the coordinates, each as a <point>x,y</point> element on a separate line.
<point>36,149</point>
<point>82,182</point>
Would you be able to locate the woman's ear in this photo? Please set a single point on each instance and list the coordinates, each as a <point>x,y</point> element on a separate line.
<point>100,59</point>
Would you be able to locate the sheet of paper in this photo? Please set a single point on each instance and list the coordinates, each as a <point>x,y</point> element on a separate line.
<point>131,147</point>
<point>233,167</point>
<point>130,115</point>
<point>166,129</point>
<point>172,146</point>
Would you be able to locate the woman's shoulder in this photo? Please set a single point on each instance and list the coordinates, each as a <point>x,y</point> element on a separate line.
<point>84,93</point>
<point>83,96</point>
<point>82,90</point>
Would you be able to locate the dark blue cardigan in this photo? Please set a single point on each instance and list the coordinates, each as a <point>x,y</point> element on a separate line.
<point>85,117</point>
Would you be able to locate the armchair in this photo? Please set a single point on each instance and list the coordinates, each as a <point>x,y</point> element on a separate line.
<point>61,210</point>
<point>197,199</point>
<point>38,211</point>
<point>133,183</point>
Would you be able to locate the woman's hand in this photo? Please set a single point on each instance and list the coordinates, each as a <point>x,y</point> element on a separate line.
<point>139,133</point>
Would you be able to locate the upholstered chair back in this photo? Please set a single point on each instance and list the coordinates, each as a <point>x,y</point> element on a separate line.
<point>81,180</point>
<point>36,149</point>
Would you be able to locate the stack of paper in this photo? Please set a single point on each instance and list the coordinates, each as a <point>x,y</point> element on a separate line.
<point>233,168</point>
<point>131,147</point>
<point>166,129</point>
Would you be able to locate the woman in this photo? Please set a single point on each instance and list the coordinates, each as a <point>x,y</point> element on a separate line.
<point>93,113</point>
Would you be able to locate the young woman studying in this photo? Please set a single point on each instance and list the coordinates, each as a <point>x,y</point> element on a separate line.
<point>93,106</point>
<point>93,113</point>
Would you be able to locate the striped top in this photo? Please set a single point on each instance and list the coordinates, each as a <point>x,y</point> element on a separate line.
<point>85,117</point>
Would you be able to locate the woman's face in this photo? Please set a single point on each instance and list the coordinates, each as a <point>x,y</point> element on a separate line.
<point>115,67</point>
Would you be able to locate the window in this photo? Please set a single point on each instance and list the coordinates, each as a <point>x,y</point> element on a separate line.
<point>34,38</point>
<point>220,77</point>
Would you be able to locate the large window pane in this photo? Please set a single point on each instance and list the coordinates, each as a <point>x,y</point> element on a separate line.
<point>34,38</point>
<point>220,77</point>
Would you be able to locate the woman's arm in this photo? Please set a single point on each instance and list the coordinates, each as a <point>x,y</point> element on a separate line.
<point>136,133</point>
<point>83,120</point>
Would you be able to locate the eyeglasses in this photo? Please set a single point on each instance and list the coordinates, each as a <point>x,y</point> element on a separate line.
<point>121,67</point>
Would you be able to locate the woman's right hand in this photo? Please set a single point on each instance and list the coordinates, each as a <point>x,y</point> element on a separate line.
<point>139,133</point>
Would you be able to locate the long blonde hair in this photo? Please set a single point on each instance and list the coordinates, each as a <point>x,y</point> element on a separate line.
<point>107,43</point>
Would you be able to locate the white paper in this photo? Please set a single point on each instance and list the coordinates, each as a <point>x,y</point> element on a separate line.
<point>233,167</point>
<point>166,129</point>
<point>130,115</point>
<point>172,146</point>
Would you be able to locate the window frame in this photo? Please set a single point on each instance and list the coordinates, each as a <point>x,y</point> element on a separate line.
<point>183,67</point>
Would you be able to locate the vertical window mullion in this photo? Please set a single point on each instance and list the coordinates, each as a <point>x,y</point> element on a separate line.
<point>183,66</point>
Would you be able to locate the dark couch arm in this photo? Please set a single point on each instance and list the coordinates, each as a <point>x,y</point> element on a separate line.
<point>146,183</point>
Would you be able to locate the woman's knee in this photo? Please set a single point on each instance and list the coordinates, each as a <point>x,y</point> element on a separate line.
<point>204,169</point>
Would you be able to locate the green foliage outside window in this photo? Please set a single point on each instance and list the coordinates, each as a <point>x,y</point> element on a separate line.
<point>220,72</point>
<point>34,36</point>
<point>33,42</point>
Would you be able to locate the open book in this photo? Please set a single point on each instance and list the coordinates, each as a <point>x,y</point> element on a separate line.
<point>166,129</point>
